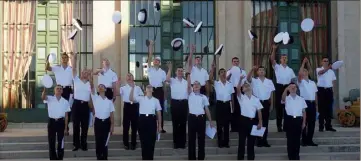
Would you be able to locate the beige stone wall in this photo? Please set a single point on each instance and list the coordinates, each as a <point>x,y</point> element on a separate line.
<point>347,40</point>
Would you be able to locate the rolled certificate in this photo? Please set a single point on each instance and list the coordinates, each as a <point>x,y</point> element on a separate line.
<point>106,144</point>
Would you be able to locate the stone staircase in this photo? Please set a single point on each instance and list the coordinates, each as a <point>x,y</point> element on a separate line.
<point>341,145</point>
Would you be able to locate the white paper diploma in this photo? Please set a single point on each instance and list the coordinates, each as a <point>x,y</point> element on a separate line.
<point>256,132</point>
<point>158,136</point>
<point>62,144</point>
<point>90,119</point>
<point>106,144</point>
<point>211,132</point>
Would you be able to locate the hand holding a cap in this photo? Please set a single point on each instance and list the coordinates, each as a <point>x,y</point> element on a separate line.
<point>274,46</point>
<point>305,60</point>
<point>193,48</point>
<point>169,64</point>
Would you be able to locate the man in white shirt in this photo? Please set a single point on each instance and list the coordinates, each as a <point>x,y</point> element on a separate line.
<point>326,80</point>
<point>179,106</point>
<point>198,109</point>
<point>198,73</point>
<point>308,90</point>
<point>233,75</point>
<point>149,109</point>
<point>131,112</point>
<point>250,109</point>
<point>107,77</point>
<point>284,76</point>
<point>58,109</point>
<point>262,89</point>
<point>224,91</point>
<point>295,120</point>
<point>63,77</point>
<point>156,77</point>
<point>103,122</point>
<point>81,109</point>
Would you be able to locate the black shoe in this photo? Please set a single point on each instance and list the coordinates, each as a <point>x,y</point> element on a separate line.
<point>266,145</point>
<point>312,144</point>
<point>163,131</point>
<point>126,147</point>
<point>331,129</point>
<point>226,146</point>
<point>133,147</point>
<point>84,148</point>
<point>303,144</point>
<point>279,129</point>
<point>75,149</point>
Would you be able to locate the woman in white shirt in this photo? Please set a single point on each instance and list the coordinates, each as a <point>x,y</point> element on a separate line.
<point>149,124</point>
<point>104,121</point>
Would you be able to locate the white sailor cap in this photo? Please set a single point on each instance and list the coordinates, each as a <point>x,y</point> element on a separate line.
<point>188,22</point>
<point>52,57</point>
<point>252,35</point>
<point>307,24</point>
<point>157,58</point>
<point>47,81</point>
<point>337,65</point>
<point>77,23</point>
<point>177,43</point>
<point>287,39</point>
<point>278,38</point>
<point>199,27</point>
<point>142,16</point>
<point>117,17</point>
<point>156,6</point>
<point>72,35</point>
<point>219,50</point>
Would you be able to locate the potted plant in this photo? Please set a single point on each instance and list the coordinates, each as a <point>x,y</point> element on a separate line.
<point>3,120</point>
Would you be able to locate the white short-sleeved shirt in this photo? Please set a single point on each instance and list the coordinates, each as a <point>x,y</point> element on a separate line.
<point>82,90</point>
<point>262,90</point>
<point>295,106</point>
<point>107,78</point>
<point>179,89</point>
<point>308,89</point>
<point>64,77</point>
<point>156,77</point>
<point>325,80</point>
<point>102,106</point>
<point>148,105</point>
<point>200,75</point>
<point>223,91</point>
<point>284,75</point>
<point>197,103</point>
<point>57,108</point>
<point>249,106</point>
<point>236,72</point>
<point>125,92</point>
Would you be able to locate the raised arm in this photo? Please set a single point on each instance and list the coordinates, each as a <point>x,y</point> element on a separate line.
<point>73,62</point>
<point>239,86</point>
<point>211,73</point>
<point>47,65</point>
<point>300,72</point>
<point>188,75</point>
<point>190,57</point>
<point>150,53</point>
<point>284,94</point>
<point>323,71</point>
<point>92,84</point>
<point>43,95</point>
<point>250,74</point>
<point>169,74</point>
<point>273,55</point>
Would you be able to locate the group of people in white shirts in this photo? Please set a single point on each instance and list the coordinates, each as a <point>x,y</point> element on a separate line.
<point>242,101</point>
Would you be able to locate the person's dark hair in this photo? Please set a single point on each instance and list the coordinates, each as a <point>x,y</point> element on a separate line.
<point>58,85</point>
<point>293,83</point>
<point>179,67</point>
<point>197,57</point>
<point>325,57</point>
<point>235,58</point>
<point>65,55</point>
<point>261,67</point>
<point>219,71</point>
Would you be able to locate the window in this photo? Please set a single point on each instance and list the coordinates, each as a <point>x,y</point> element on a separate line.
<point>271,17</point>
<point>17,63</point>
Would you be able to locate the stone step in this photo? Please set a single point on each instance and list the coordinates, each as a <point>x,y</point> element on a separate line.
<point>113,144</point>
<point>326,149</point>
<point>276,156</point>
<point>168,136</point>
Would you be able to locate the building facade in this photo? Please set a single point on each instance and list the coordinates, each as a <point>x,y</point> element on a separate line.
<point>30,36</point>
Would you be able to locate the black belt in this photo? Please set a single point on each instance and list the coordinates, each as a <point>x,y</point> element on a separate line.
<point>245,117</point>
<point>57,119</point>
<point>75,100</point>
<point>130,103</point>
<point>283,84</point>
<point>263,101</point>
<point>218,101</point>
<point>311,101</point>
<point>66,86</point>
<point>147,115</point>
<point>157,87</point>
<point>295,117</point>
<point>102,119</point>
<point>179,100</point>
<point>325,87</point>
<point>201,115</point>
